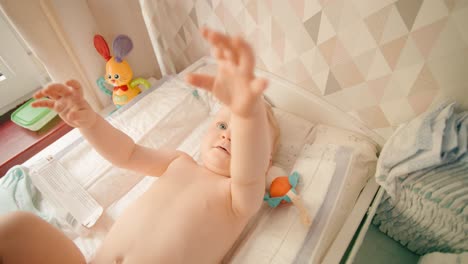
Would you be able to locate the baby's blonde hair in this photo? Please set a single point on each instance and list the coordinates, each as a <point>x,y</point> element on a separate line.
<point>274,126</point>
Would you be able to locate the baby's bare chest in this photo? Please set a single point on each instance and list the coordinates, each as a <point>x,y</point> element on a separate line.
<point>182,209</point>
<point>184,191</point>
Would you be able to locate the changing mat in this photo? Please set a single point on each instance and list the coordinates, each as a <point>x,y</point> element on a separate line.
<point>334,164</point>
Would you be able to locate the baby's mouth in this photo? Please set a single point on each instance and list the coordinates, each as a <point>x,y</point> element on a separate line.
<point>224,149</point>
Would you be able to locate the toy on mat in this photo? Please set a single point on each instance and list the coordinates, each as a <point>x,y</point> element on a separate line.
<point>283,190</point>
<point>118,72</point>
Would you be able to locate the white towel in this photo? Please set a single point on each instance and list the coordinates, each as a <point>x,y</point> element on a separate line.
<point>446,258</point>
<point>433,139</point>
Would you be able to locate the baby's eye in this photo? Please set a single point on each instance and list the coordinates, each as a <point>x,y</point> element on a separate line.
<point>116,76</point>
<point>109,76</point>
<point>222,126</point>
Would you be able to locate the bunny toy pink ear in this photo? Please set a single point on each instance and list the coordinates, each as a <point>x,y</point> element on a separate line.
<point>101,46</point>
<point>122,45</point>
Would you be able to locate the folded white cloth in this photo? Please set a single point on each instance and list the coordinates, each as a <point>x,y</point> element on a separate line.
<point>446,258</point>
<point>433,139</point>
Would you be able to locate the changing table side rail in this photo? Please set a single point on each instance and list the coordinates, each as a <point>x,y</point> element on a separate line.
<point>343,240</point>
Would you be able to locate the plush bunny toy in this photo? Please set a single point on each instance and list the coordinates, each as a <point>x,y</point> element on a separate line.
<point>118,72</point>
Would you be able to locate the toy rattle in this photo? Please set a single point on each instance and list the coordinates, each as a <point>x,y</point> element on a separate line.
<point>118,72</point>
<point>283,190</point>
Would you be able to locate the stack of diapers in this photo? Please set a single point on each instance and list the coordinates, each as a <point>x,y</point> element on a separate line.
<point>424,171</point>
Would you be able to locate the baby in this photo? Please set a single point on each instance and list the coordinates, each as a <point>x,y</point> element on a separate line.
<point>193,213</point>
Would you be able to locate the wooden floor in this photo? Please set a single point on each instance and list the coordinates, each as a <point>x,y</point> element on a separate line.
<point>18,144</point>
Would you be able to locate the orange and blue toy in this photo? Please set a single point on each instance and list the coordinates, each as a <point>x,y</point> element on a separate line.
<point>283,190</point>
<point>118,72</point>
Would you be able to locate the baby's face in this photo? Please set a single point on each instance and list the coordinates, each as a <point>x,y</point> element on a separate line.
<point>216,145</point>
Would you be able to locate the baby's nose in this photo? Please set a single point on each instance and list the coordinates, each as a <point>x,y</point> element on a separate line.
<point>226,135</point>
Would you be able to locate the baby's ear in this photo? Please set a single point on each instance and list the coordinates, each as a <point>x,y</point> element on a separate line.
<point>122,46</point>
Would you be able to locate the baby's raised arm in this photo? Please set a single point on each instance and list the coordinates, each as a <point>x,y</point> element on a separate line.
<point>236,86</point>
<point>114,145</point>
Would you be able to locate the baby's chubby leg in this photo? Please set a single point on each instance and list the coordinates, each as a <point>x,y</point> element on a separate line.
<point>26,238</point>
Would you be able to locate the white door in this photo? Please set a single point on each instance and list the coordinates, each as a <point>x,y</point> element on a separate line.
<point>20,73</point>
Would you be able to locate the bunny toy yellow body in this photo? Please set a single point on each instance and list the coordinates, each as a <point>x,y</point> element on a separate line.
<point>118,72</point>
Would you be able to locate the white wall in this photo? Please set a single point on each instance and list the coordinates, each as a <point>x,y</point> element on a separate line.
<point>82,19</point>
<point>61,34</point>
<point>79,27</point>
<point>22,75</point>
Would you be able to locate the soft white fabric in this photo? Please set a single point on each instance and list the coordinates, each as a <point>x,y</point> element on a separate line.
<point>446,258</point>
<point>279,232</point>
<point>161,118</point>
<point>316,166</point>
<point>334,167</point>
<point>293,135</point>
<point>164,117</point>
<point>191,146</point>
<point>435,138</point>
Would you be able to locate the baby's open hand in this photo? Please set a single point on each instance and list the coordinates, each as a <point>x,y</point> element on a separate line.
<point>68,101</point>
<point>235,84</point>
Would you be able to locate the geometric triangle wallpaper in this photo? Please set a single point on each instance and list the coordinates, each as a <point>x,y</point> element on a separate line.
<point>382,61</point>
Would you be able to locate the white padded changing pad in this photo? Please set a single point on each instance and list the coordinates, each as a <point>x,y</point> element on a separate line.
<point>174,116</point>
